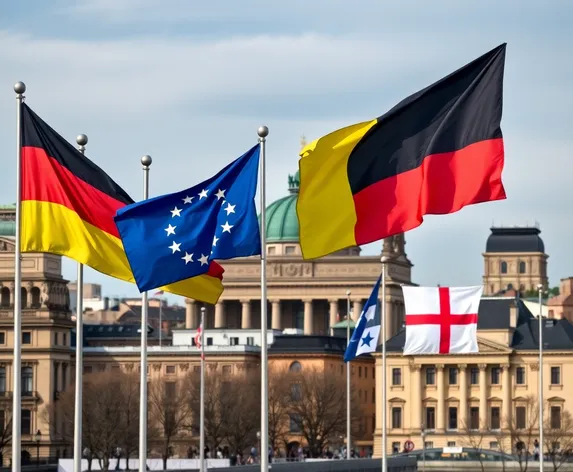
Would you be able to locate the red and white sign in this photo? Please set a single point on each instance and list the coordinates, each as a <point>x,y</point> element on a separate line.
<point>408,446</point>
<point>441,320</point>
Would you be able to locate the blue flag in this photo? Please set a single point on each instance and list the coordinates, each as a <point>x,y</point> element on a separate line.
<point>367,330</point>
<point>176,236</point>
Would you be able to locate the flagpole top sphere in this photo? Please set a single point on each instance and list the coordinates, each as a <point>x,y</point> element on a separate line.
<point>384,259</point>
<point>146,160</point>
<point>348,293</point>
<point>539,286</point>
<point>263,131</point>
<point>81,139</point>
<point>19,87</point>
<point>203,310</point>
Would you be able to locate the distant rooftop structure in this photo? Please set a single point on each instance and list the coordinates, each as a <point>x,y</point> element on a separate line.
<point>515,239</point>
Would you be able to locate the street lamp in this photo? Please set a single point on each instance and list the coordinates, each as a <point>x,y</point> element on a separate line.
<point>38,439</point>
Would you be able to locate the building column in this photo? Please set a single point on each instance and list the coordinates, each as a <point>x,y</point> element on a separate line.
<point>333,312</point>
<point>191,314</point>
<point>276,322</point>
<point>356,309</point>
<point>507,406</point>
<point>308,317</point>
<point>12,290</point>
<point>463,381</point>
<point>219,315</point>
<point>389,325</point>
<point>483,396</point>
<point>246,317</point>
<point>416,397</point>
<point>441,414</point>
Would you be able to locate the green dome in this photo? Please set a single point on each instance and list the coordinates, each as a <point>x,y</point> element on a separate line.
<point>282,220</point>
<point>7,228</point>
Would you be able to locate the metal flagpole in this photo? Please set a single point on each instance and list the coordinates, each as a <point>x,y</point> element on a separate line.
<point>541,446</point>
<point>202,465</point>
<point>81,140</point>
<point>20,89</point>
<point>145,162</point>
<point>263,132</point>
<point>160,319</point>
<point>348,406</point>
<point>383,337</point>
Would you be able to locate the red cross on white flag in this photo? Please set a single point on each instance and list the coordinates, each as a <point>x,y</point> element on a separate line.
<point>441,320</point>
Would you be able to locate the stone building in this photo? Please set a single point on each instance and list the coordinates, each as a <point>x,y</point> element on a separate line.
<point>514,258</point>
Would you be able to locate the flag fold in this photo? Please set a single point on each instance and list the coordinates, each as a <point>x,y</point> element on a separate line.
<point>176,236</point>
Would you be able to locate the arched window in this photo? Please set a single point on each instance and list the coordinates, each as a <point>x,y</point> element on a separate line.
<point>522,267</point>
<point>295,367</point>
<point>24,295</point>
<point>5,297</point>
<point>35,297</point>
<point>27,381</point>
<point>503,267</point>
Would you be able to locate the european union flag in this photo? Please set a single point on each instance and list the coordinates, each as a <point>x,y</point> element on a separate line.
<point>367,330</point>
<point>175,237</point>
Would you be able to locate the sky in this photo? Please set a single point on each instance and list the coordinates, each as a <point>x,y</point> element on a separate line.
<point>189,82</point>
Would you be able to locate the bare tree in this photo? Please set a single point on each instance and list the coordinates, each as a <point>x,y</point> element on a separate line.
<point>279,402</point>
<point>558,438</point>
<point>5,427</point>
<point>318,408</point>
<point>242,394</point>
<point>169,410</point>
<point>524,429</point>
<point>129,420</point>
<point>474,439</point>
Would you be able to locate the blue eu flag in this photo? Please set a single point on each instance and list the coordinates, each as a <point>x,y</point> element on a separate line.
<point>175,237</point>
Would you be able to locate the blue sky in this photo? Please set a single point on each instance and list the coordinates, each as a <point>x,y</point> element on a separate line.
<point>189,82</point>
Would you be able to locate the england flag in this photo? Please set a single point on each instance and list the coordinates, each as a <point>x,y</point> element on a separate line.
<point>441,320</point>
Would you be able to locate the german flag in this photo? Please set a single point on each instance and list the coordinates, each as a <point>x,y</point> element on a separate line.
<point>68,205</point>
<point>434,153</point>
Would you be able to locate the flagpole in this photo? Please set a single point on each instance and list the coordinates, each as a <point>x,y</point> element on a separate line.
<point>541,447</point>
<point>263,132</point>
<point>81,140</point>
<point>160,319</point>
<point>20,89</point>
<point>145,162</point>
<point>348,406</point>
<point>202,467</point>
<point>384,259</point>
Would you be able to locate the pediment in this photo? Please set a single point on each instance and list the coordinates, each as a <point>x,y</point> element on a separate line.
<point>489,346</point>
<point>474,399</point>
<point>396,400</point>
<point>7,244</point>
<point>521,398</point>
<point>555,399</point>
<point>430,399</point>
<point>494,399</point>
<point>452,399</point>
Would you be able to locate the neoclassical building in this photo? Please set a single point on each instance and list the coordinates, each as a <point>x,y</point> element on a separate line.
<point>308,295</point>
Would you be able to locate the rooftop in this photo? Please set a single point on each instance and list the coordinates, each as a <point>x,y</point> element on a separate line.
<point>515,239</point>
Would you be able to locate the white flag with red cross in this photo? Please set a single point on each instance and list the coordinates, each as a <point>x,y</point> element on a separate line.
<point>441,320</point>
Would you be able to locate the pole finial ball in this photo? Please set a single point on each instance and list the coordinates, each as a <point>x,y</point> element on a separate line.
<point>348,293</point>
<point>146,161</point>
<point>203,309</point>
<point>19,87</point>
<point>81,139</point>
<point>263,131</point>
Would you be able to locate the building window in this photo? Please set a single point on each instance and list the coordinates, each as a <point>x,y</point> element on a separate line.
<point>495,375</point>
<point>197,369</point>
<point>359,371</point>
<point>520,376</point>
<point>555,417</point>
<point>26,337</point>
<point>27,381</point>
<point>271,250</point>
<point>453,376</point>
<point>64,376</point>
<point>474,376</point>
<point>429,445</point>
<point>522,267</point>
<point>295,392</point>
<point>430,375</point>
<point>88,369</point>
<point>397,376</point>
<point>234,341</point>
<point>289,250</point>
<point>396,417</point>
<point>226,370</point>
<point>56,338</point>
<point>495,418</point>
<point>395,447</point>
<point>250,341</point>
<point>474,417</point>
<point>493,445</point>
<point>26,422</point>
<point>555,375</point>
<point>56,376</point>
<point>520,418</point>
<point>294,423</point>
<point>2,380</point>
<point>209,341</point>
<point>170,369</point>
<point>2,337</point>
<point>295,367</point>
<point>374,395</point>
<point>64,339</point>
<point>452,417</point>
<point>430,418</point>
<point>36,298</point>
<point>503,267</point>
<point>451,444</point>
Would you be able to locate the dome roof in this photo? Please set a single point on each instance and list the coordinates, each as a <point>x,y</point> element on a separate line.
<point>281,218</point>
<point>515,240</point>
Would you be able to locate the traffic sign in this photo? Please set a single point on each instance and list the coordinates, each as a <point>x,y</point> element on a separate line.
<point>408,446</point>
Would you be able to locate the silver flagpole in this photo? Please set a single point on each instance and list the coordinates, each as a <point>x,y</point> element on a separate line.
<point>20,89</point>
<point>383,337</point>
<point>202,465</point>
<point>348,406</point>
<point>160,319</point>
<point>81,140</point>
<point>263,132</point>
<point>541,445</point>
<point>145,162</point>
